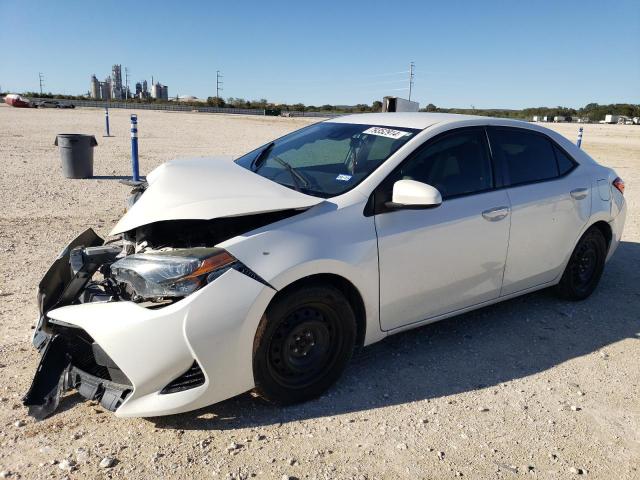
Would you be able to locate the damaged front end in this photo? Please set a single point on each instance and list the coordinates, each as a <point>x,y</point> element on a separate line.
<point>101,300</point>
<point>152,266</point>
<point>70,358</point>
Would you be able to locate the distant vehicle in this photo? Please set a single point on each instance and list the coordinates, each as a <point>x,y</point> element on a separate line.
<point>611,118</point>
<point>53,104</point>
<point>266,272</point>
<point>17,101</point>
<point>396,104</point>
<point>46,104</point>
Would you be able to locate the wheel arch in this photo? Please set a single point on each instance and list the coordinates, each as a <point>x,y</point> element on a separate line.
<point>600,222</point>
<point>350,291</point>
<point>605,228</point>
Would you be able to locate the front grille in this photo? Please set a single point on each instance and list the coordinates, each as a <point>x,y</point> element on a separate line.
<point>192,378</point>
<point>79,347</point>
<point>88,356</point>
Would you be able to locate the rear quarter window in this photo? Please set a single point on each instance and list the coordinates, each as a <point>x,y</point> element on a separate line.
<point>565,163</point>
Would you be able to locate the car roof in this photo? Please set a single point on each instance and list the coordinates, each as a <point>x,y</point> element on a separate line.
<point>419,120</point>
<point>446,121</point>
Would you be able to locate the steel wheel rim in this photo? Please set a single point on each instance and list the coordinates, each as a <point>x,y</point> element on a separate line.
<point>586,264</point>
<point>304,346</point>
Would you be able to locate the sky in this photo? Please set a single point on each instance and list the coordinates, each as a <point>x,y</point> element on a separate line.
<point>486,54</point>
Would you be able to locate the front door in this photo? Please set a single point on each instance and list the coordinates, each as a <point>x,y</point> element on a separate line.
<point>439,260</point>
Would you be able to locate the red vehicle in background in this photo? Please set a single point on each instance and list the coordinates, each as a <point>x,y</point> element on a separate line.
<point>18,101</point>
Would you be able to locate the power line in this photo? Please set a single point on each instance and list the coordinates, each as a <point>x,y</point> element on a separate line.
<point>218,83</point>
<point>384,82</point>
<point>385,74</point>
<point>382,90</point>
<point>41,78</point>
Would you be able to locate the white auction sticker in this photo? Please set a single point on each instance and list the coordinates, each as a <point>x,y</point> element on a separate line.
<point>385,132</point>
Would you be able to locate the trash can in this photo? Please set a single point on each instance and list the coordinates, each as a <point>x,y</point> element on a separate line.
<point>76,153</point>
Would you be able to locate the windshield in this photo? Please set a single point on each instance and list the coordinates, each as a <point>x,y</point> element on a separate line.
<point>326,159</point>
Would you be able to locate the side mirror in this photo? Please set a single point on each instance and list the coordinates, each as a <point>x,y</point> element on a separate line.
<point>411,194</point>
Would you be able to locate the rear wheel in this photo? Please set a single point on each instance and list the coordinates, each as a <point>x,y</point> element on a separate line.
<point>585,267</point>
<point>303,344</point>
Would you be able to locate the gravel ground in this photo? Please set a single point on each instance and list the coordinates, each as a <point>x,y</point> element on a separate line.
<point>531,386</point>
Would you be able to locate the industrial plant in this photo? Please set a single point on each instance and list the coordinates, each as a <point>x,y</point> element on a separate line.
<point>112,87</point>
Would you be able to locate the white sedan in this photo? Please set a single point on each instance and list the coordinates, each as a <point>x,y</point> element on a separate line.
<point>266,272</point>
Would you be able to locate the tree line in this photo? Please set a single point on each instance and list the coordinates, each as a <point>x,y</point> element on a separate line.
<point>593,111</point>
<point>264,104</point>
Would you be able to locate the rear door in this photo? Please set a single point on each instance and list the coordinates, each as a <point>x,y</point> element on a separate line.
<point>550,201</point>
<point>438,260</point>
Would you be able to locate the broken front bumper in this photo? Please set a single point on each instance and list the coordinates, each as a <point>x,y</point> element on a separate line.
<point>59,371</point>
<point>180,357</point>
<point>68,354</point>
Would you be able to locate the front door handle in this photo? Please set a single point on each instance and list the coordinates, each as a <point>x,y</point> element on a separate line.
<point>580,193</point>
<point>495,214</point>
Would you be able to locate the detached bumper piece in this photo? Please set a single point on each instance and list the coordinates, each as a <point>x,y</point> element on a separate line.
<point>109,394</point>
<point>72,360</point>
<point>49,381</point>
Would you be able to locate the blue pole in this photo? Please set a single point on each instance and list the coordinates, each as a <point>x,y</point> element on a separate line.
<point>106,120</point>
<point>579,142</point>
<point>135,176</point>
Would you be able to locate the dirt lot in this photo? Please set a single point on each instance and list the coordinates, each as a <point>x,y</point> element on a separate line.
<point>533,386</point>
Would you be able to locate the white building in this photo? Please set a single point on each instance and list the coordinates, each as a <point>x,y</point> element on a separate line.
<point>95,87</point>
<point>159,91</point>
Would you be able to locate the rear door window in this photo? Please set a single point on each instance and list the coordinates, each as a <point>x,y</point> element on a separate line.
<point>526,157</point>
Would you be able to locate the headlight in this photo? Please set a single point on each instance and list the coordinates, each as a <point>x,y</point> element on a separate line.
<point>174,273</point>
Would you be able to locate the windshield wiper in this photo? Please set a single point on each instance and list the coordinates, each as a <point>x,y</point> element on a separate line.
<point>262,156</point>
<point>295,175</point>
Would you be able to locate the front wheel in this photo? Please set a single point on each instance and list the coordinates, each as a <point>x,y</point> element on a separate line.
<point>303,344</point>
<point>585,267</point>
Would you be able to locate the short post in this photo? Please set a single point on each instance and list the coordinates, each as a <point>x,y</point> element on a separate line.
<point>106,121</point>
<point>135,176</point>
<point>579,142</point>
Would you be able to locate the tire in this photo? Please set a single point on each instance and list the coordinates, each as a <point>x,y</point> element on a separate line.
<point>583,272</point>
<point>303,344</point>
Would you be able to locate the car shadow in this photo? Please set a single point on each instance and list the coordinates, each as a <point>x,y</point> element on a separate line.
<point>480,349</point>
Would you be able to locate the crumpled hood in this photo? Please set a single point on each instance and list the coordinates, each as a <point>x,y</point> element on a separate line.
<point>208,188</point>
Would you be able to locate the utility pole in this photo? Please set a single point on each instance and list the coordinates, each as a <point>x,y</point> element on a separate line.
<point>218,83</point>
<point>41,78</point>
<point>411,66</point>
<point>126,83</point>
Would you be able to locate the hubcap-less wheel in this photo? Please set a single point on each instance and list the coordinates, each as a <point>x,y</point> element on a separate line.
<point>303,343</point>
<point>585,266</point>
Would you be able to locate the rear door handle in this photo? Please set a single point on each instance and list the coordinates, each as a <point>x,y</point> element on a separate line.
<point>580,193</point>
<point>495,214</point>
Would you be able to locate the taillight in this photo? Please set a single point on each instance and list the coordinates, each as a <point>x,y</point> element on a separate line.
<point>619,184</point>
